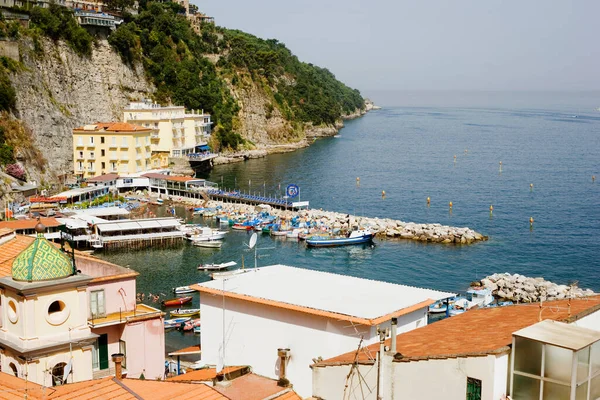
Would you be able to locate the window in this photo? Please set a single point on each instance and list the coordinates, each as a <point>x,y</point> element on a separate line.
<point>473,389</point>
<point>113,140</point>
<point>58,312</point>
<point>92,155</point>
<point>102,139</point>
<point>97,304</point>
<point>123,350</point>
<point>102,153</point>
<point>14,369</point>
<point>91,140</point>
<point>103,165</point>
<point>80,166</point>
<point>81,154</point>
<point>58,373</point>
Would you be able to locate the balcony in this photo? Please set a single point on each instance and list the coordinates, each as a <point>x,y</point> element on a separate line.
<point>124,145</point>
<point>79,144</point>
<point>91,145</point>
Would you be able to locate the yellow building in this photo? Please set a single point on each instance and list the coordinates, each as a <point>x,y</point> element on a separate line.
<point>111,147</point>
<point>175,133</point>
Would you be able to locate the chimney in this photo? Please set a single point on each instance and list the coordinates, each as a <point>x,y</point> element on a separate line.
<point>118,360</point>
<point>393,335</point>
<point>284,355</point>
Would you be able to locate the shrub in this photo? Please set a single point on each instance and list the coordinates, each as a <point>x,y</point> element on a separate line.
<point>16,171</point>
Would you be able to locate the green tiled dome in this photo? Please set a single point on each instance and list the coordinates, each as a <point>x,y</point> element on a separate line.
<point>41,261</point>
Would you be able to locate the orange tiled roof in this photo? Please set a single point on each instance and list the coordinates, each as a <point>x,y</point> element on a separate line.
<point>255,387</point>
<point>5,231</point>
<point>291,395</point>
<point>15,388</point>
<point>195,349</point>
<point>314,311</point>
<point>207,374</point>
<point>114,127</point>
<point>477,332</point>
<point>29,223</point>
<point>157,390</point>
<point>104,178</point>
<point>105,388</point>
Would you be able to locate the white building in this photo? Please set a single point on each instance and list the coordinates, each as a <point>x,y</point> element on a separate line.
<point>466,356</point>
<point>309,314</point>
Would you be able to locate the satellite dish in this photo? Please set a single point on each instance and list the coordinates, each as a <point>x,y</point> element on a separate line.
<point>253,240</point>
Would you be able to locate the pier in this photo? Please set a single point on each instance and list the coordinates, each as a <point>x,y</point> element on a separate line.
<point>243,198</point>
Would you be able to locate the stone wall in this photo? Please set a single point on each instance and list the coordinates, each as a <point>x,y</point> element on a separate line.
<point>9,49</point>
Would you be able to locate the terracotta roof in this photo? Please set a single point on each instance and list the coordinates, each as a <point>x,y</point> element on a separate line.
<point>6,231</point>
<point>104,178</point>
<point>159,390</point>
<point>314,311</point>
<point>477,332</point>
<point>255,387</point>
<point>206,374</point>
<point>114,127</point>
<point>154,175</point>
<point>105,388</point>
<point>15,388</point>
<point>29,223</point>
<point>291,395</point>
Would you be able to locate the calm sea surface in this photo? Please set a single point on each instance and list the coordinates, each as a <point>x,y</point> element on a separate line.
<point>409,153</point>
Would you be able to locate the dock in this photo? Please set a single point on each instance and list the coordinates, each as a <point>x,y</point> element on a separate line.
<point>236,197</point>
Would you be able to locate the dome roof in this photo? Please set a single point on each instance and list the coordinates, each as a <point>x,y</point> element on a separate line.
<point>41,261</point>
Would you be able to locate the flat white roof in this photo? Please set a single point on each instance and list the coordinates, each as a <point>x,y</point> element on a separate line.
<point>560,334</point>
<point>325,291</point>
<point>102,211</point>
<point>72,223</point>
<point>137,224</point>
<point>79,191</point>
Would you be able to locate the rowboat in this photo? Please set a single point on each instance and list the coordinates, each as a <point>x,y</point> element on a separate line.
<point>183,290</point>
<point>212,244</point>
<point>216,267</point>
<point>242,227</point>
<point>355,237</point>
<point>176,302</point>
<point>191,324</point>
<point>176,322</point>
<point>279,233</point>
<point>185,312</point>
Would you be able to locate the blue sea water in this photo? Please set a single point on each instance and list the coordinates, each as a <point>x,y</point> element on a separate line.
<point>408,152</point>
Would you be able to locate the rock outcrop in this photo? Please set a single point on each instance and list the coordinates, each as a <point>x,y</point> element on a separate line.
<point>522,289</point>
<point>58,90</point>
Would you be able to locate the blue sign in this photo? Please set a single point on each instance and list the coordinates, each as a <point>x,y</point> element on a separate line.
<point>292,191</point>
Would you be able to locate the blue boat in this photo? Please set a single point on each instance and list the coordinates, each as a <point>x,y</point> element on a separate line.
<point>355,237</point>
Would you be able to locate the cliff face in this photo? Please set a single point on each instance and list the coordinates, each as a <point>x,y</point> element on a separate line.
<point>58,90</point>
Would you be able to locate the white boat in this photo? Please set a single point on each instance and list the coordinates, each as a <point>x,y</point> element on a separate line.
<point>460,306</point>
<point>481,297</point>
<point>205,233</point>
<point>190,228</point>
<point>176,322</point>
<point>183,290</point>
<point>216,267</point>
<point>211,244</point>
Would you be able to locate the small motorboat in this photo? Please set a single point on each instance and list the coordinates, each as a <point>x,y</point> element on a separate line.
<point>185,312</point>
<point>280,233</point>
<point>242,227</point>
<point>175,322</point>
<point>183,290</point>
<point>438,307</point>
<point>355,237</point>
<point>197,329</point>
<point>177,302</point>
<point>216,267</point>
<point>210,244</point>
<point>191,324</point>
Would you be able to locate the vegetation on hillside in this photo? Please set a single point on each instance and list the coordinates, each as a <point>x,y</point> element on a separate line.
<point>312,94</point>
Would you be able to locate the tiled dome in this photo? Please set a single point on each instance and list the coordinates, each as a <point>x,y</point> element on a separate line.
<point>41,261</point>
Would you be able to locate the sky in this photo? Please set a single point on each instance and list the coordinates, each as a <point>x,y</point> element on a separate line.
<point>467,45</point>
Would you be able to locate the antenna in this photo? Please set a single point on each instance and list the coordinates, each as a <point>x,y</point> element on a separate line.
<point>252,245</point>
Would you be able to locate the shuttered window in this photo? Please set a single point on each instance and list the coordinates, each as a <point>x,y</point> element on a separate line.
<point>97,304</point>
<point>473,389</point>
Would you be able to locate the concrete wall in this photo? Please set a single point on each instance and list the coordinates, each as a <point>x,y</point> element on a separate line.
<point>254,332</point>
<point>118,295</point>
<point>591,321</point>
<point>145,344</point>
<point>431,379</point>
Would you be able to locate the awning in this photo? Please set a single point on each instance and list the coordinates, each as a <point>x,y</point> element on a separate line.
<point>203,148</point>
<point>128,225</point>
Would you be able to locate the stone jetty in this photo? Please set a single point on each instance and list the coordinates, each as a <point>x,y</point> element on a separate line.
<point>385,228</point>
<point>522,289</point>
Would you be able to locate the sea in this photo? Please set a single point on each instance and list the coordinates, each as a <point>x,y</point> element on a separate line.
<point>529,155</point>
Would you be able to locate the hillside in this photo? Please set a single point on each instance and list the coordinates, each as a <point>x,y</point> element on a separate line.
<point>258,92</point>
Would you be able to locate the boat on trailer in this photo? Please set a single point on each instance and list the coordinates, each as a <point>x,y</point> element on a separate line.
<point>355,237</point>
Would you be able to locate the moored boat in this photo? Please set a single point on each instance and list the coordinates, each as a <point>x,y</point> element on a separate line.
<point>185,312</point>
<point>183,290</point>
<point>177,302</point>
<point>191,324</point>
<point>216,267</point>
<point>212,244</point>
<point>197,329</point>
<point>175,322</point>
<point>355,237</point>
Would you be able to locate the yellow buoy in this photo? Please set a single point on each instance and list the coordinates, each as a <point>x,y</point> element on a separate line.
<point>383,194</point>
<point>531,186</point>
<point>428,201</point>
<point>450,204</point>
<point>491,208</point>
<point>357,179</point>
<point>531,220</point>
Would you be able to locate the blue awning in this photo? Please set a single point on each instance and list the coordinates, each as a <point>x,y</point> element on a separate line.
<point>203,148</point>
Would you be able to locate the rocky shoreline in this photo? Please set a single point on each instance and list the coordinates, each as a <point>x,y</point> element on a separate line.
<point>311,133</point>
<point>522,289</point>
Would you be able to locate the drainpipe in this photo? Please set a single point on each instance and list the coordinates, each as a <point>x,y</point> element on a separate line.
<point>118,360</point>
<point>393,335</point>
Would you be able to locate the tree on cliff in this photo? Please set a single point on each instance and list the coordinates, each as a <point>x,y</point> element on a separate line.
<point>119,6</point>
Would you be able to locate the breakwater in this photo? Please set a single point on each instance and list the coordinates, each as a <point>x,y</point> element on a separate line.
<point>523,289</point>
<point>382,227</point>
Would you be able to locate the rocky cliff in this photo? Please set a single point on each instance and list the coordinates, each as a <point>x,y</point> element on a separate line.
<point>58,90</point>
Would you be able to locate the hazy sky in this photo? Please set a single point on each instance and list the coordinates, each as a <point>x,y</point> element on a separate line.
<point>431,44</point>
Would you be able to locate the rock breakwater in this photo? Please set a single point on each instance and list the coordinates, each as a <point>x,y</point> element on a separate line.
<point>522,289</point>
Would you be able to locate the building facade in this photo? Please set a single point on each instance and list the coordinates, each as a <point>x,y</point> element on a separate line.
<point>175,132</point>
<point>111,147</point>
